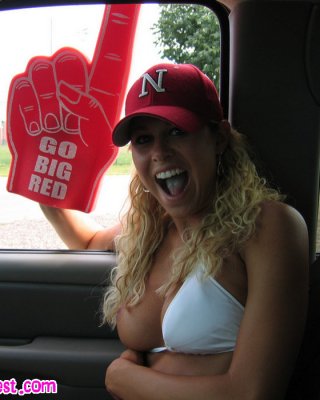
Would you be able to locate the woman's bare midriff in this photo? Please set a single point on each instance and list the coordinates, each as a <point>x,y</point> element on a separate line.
<point>189,364</point>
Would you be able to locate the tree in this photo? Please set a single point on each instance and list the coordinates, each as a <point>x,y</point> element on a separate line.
<point>189,34</point>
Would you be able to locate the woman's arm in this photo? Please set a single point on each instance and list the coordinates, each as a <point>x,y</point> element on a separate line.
<point>271,331</point>
<point>130,381</point>
<point>79,231</point>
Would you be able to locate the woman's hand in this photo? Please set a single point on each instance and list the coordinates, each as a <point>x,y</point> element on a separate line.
<point>115,371</point>
<point>135,357</point>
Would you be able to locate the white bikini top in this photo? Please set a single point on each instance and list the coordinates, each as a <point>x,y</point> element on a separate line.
<point>202,318</point>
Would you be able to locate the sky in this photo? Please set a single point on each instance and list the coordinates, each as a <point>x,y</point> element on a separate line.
<point>35,32</point>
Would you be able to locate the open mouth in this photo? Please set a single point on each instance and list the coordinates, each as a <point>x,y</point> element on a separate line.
<point>173,181</point>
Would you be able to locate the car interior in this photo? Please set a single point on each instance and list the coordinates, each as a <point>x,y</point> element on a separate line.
<point>50,300</point>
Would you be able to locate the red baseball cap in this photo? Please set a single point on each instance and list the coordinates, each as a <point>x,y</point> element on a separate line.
<point>178,93</point>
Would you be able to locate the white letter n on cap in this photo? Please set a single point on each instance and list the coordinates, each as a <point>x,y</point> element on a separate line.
<point>157,86</point>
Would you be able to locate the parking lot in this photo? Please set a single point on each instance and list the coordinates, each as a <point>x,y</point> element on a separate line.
<point>23,226</point>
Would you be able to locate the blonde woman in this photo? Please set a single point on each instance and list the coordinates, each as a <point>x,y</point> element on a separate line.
<point>210,291</point>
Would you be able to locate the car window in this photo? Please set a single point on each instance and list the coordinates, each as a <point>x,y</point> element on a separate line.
<point>42,32</point>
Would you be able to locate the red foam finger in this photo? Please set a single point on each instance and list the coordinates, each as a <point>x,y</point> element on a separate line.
<point>112,57</point>
<point>24,123</point>
<point>77,104</point>
<point>72,67</point>
<point>25,115</point>
<point>43,79</point>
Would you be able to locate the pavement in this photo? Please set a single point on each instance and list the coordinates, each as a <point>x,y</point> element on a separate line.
<point>23,225</point>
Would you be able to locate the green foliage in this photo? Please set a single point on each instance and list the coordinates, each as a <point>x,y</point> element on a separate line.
<point>189,34</point>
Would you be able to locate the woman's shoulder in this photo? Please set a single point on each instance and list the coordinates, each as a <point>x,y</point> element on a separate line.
<point>280,229</point>
<point>279,215</point>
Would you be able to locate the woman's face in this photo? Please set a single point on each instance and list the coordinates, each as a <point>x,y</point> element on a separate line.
<point>178,168</point>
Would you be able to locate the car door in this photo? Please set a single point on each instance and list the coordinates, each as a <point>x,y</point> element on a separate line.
<point>50,330</point>
<point>52,344</point>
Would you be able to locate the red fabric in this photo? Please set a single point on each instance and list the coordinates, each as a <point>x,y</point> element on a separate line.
<point>61,112</point>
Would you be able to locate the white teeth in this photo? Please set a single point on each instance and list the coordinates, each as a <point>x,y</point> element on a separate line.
<point>169,174</point>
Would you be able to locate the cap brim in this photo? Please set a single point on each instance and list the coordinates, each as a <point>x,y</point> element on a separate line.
<point>182,118</point>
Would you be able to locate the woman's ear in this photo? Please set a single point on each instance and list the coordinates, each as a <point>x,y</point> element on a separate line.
<point>223,137</point>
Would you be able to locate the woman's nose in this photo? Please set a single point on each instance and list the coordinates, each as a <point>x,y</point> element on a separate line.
<point>161,150</point>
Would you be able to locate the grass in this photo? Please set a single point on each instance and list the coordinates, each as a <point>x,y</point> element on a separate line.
<point>5,159</point>
<point>122,165</point>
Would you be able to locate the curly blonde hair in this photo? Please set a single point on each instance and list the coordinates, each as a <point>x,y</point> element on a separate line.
<point>239,194</point>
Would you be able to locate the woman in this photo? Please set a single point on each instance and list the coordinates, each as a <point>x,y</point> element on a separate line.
<point>210,292</point>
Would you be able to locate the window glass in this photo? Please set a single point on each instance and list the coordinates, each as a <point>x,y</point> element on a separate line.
<point>42,32</point>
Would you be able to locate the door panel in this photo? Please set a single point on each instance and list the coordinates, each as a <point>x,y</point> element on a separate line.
<point>50,320</point>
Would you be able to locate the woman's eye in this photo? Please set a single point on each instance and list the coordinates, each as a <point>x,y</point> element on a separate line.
<point>141,139</point>
<point>177,132</point>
